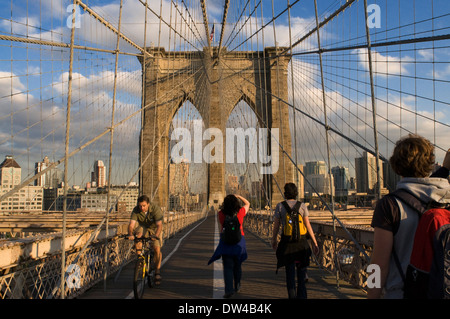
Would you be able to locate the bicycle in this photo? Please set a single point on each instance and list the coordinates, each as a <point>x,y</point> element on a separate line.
<point>145,269</point>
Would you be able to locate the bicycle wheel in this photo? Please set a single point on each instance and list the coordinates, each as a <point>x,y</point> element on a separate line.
<point>139,278</point>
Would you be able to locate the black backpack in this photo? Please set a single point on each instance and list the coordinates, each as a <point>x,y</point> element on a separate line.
<point>231,230</point>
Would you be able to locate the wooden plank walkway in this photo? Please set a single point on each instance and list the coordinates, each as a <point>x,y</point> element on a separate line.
<point>186,274</point>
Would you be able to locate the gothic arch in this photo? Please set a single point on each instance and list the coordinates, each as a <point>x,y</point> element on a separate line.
<point>214,86</point>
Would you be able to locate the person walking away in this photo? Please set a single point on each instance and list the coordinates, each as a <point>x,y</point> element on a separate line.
<point>394,222</point>
<point>147,218</point>
<point>232,247</point>
<point>293,251</point>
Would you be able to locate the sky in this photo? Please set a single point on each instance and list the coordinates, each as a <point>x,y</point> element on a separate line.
<point>412,81</point>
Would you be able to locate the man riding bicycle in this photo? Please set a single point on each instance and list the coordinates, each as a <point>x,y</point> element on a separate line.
<point>147,217</point>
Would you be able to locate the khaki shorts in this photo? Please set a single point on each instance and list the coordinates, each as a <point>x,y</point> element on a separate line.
<point>151,232</point>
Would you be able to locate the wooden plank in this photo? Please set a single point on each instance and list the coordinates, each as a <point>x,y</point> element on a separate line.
<point>186,275</point>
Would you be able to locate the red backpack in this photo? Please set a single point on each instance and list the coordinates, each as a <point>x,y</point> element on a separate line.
<point>428,273</point>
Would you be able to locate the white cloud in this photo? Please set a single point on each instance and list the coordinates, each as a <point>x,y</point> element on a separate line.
<point>133,22</point>
<point>351,115</point>
<point>102,83</point>
<point>442,73</point>
<point>21,26</point>
<point>426,55</point>
<point>25,119</point>
<point>383,65</point>
<point>32,126</point>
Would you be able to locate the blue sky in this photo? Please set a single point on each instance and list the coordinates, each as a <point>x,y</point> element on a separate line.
<point>34,78</point>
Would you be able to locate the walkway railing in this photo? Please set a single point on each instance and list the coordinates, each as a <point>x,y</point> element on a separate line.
<point>339,253</point>
<point>31,267</point>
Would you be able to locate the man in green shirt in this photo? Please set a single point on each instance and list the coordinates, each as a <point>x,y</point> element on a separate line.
<point>147,217</point>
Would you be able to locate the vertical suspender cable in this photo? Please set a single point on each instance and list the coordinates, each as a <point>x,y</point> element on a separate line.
<point>156,119</point>
<point>327,137</point>
<point>278,90</point>
<point>293,93</point>
<point>66,152</point>
<point>374,110</point>
<point>108,199</point>
<point>264,59</point>
<point>141,135</point>
<point>168,76</point>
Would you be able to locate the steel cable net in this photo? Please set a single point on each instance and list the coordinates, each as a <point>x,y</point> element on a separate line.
<point>73,77</point>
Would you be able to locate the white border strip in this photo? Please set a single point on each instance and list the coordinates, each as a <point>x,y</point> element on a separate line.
<point>218,282</point>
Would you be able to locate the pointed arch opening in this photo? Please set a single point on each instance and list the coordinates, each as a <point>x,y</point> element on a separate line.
<point>187,174</point>
<point>242,165</point>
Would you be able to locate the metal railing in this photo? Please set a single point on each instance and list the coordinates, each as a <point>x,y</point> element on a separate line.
<point>34,267</point>
<point>340,254</point>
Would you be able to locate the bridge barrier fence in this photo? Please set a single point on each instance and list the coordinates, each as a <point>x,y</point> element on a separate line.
<point>339,254</point>
<point>30,268</point>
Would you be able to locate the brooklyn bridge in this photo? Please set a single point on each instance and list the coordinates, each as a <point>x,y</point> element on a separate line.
<point>188,101</point>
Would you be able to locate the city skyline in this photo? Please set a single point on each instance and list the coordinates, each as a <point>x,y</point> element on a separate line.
<point>411,92</point>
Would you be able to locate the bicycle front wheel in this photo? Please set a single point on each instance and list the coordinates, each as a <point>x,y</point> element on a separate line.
<point>139,278</point>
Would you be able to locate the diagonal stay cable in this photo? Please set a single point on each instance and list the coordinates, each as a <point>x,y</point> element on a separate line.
<point>167,24</point>
<point>80,148</point>
<point>265,25</point>
<point>93,235</point>
<point>300,171</point>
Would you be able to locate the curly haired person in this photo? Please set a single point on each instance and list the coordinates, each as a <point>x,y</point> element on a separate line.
<point>394,221</point>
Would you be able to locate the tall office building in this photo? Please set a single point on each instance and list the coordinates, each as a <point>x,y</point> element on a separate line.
<point>317,179</point>
<point>366,173</point>
<point>99,174</point>
<point>28,198</point>
<point>10,173</point>
<point>390,177</point>
<point>341,180</point>
<point>51,179</point>
<point>319,184</point>
<point>315,167</point>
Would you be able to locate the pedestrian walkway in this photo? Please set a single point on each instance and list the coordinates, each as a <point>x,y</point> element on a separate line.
<point>186,275</point>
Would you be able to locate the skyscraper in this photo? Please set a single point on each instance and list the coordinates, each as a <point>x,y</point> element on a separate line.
<point>341,180</point>
<point>99,174</point>
<point>315,167</point>
<point>51,178</point>
<point>366,173</point>
<point>10,173</point>
<point>28,198</point>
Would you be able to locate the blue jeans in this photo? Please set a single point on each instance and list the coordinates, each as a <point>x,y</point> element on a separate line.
<point>300,292</point>
<point>232,273</point>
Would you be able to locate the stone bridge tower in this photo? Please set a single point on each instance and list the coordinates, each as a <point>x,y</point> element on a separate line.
<point>214,84</point>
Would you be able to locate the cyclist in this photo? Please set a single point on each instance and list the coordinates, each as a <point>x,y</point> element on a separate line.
<point>147,217</point>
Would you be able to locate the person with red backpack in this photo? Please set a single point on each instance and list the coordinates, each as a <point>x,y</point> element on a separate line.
<point>396,216</point>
